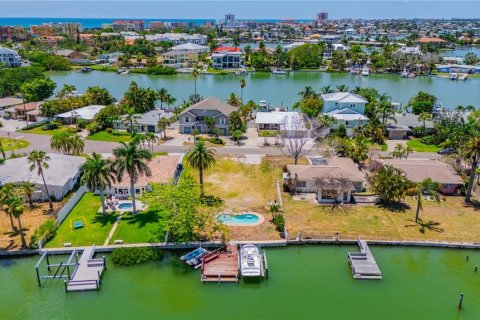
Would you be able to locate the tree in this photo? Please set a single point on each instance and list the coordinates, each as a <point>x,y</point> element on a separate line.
<point>38,159</point>
<point>308,92</point>
<point>341,88</point>
<point>471,152</point>
<point>306,56</point>
<point>97,175</point>
<point>471,58</point>
<point>310,106</point>
<point>426,187</point>
<point>332,186</point>
<point>27,189</point>
<point>66,91</point>
<point>15,208</point>
<point>11,79</point>
<point>131,118</point>
<point>210,122</point>
<point>5,193</point>
<point>68,143</point>
<point>140,99</point>
<point>424,117</point>
<point>237,136</point>
<point>339,60</point>
<point>195,74</point>
<point>243,84</point>
<point>163,123</point>
<point>37,90</point>
<point>165,97</point>
<point>389,183</point>
<point>132,161</point>
<point>385,112</point>
<point>49,109</point>
<point>98,96</point>
<point>234,100</point>
<point>236,123</point>
<point>422,102</point>
<point>294,139</point>
<point>200,157</point>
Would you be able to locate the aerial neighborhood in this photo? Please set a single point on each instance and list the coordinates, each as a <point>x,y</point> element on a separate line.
<point>224,137</point>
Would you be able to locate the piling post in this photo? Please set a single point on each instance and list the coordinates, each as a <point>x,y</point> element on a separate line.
<point>48,262</point>
<point>38,277</point>
<point>98,273</point>
<point>65,285</point>
<point>461,301</point>
<point>476,268</point>
<point>468,257</point>
<point>104,263</point>
<point>68,272</point>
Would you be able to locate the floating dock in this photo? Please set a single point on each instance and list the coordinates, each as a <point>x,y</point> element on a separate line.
<point>363,263</point>
<point>221,265</point>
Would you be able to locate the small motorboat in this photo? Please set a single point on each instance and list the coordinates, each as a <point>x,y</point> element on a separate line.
<point>463,77</point>
<point>404,73</point>
<point>123,71</point>
<point>365,71</point>
<point>85,70</point>
<point>194,258</point>
<point>277,71</point>
<point>250,261</point>
<point>454,76</point>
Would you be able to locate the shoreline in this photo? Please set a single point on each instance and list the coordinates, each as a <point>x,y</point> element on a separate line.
<point>261,243</point>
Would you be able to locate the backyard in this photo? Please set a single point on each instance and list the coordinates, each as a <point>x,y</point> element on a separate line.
<point>114,136</point>
<point>139,228</point>
<point>419,146</point>
<point>96,226</point>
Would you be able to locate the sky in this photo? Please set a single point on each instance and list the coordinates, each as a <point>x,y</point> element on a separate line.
<point>246,9</point>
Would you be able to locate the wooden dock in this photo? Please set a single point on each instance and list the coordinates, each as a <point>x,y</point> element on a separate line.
<point>87,273</point>
<point>220,265</point>
<point>363,263</point>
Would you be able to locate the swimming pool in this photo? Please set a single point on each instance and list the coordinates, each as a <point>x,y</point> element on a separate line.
<point>125,205</point>
<point>247,218</point>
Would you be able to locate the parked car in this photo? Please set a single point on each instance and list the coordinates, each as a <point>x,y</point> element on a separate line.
<point>447,151</point>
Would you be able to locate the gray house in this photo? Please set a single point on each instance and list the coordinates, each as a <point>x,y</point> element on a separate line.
<point>194,116</point>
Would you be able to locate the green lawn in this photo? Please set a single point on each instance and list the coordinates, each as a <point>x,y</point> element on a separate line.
<point>418,146</point>
<point>39,130</point>
<point>96,229</point>
<point>110,137</point>
<point>139,228</point>
<point>13,144</point>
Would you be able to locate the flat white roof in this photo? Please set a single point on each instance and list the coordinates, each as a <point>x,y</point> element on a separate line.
<point>86,113</point>
<point>286,120</point>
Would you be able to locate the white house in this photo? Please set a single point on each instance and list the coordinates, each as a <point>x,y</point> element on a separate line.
<point>280,121</point>
<point>61,175</point>
<point>346,108</point>
<point>177,38</point>
<point>85,113</point>
<point>191,47</point>
<point>10,57</point>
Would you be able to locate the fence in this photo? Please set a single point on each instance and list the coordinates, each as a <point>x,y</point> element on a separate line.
<point>62,214</point>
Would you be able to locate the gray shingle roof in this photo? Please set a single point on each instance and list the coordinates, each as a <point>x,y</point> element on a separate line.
<point>210,104</point>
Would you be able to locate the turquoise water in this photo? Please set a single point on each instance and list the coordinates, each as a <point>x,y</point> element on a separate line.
<point>305,283</point>
<point>125,206</point>
<point>279,89</point>
<point>237,218</point>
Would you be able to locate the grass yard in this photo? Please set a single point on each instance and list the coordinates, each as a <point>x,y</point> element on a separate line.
<point>39,130</point>
<point>139,228</point>
<point>418,146</point>
<point>94,232</point>
<point>14,144</point>
<point>115,136</point>
<point>456,222</point>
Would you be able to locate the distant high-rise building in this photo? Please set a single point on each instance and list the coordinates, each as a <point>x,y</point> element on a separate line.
<point>322,17</point>
<point>156,25</point>
<point>229,19</point>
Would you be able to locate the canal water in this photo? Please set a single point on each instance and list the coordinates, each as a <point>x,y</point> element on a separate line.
<point>279,89</point>
<point>305,283</point>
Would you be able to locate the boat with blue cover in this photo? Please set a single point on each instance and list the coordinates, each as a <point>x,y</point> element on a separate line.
<point>194,258</point>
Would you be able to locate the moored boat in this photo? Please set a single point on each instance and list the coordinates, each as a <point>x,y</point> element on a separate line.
<point>250,261</point>
<point>454,76</point>
<point>194,258</point>
<point>277,71</point>
<point>365,71</point>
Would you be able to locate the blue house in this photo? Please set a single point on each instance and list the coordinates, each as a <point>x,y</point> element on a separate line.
<point>346,108</point>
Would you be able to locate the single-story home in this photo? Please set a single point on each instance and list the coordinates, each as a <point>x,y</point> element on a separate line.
<point>163,168</point>
<point>280,121</point>
<point>146,122</point>
<point>85,113</point>
<point>61,175</point>
<point>332,180</point>
<point>21,111</point>
<point>409,120</point>
<point>396,132</point>
<point>419,170</point>
<point>194,117</point>
<point>8,102</point>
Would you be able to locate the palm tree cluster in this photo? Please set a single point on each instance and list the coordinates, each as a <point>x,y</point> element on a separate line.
<point>68,143</point>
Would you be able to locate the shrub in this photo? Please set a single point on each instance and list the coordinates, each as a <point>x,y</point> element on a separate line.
<point>93,127</point>
<point>82,123</point>
<point>72,130</point>
<point>46,231</point>
<point>1,124</point>
<point>428,140</point>
<point>216,140</point>
<point>279,223</point>
<point>50,126</point>
<point>130,256</point>
<point>109,130</point>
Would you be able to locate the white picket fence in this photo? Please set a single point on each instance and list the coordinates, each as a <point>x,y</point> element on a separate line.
<point>62,214</point>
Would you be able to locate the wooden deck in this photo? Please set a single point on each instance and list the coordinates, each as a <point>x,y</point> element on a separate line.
<point>87,273</point>
<point>220,265</point>
<point>363,263</point>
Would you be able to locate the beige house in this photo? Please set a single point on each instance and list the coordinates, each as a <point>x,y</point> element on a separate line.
<point>331,180</point>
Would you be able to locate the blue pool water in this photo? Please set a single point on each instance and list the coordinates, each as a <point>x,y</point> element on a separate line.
<point>124,206</point>
<point>244,218</point>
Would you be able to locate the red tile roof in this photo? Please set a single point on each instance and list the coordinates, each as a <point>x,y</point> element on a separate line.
<point>430,40</point>
<point>227,49</point>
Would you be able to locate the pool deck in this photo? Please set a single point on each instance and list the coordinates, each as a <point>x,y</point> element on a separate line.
<point>220,265</point>
<point>139,204</point>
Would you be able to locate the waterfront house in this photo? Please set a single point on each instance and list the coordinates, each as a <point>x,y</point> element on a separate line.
<point>331,180</point>
<point>146,122</point>
<point>291,121</point>
<point>346,108</point>
<point>21,111</point>
<point>85,113</point>
<point>417,170</point>
<point>227,60</point>
<point>10,58</point>
<point>396,132</point>
<point>163,168</point>
<point>74,56</point>
<point>111,58</point>
<point>194,117</point>
<point>61,175</point>
<point>177,38</point>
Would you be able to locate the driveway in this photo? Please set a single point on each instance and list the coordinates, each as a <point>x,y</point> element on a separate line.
<point>12,125</point>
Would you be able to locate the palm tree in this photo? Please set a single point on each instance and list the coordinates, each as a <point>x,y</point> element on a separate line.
<point>234,100</point>
<point>38,159</point>
<point>471,151</point>
<point>326,89</point>
<point>67,143</point>
<point>15,208</point>
<point>426,187</point>
<point>200,157</point>
<point>165,97</point>
<point>131,160</point>
<point>308,92</point>
<point>2,151</point>
<point>5,192</point>
<point>130,119</point>
<point>342,88</point>
<point>385,112</point>
<point>195,74</point>
<point>424,117</point>
<point>243,84</point>
<point>151,139</point>
<point>97,175</point>
<point>163,123</point>
<point>27,189</point>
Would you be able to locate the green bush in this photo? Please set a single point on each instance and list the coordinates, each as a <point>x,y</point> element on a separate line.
<point>130,256</point>
<point>216,140</point>
<point>1,124</point>
<point>161,70</point>
<point>82,123</point>
<point>108,130</point>
<point>279,223</point>
<point>50,126</point>
<point>46,231</point>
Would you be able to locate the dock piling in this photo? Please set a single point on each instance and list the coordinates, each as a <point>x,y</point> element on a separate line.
<point>461,301</point>
<point>476,268</point>
<point>65,285</point>
<point>104,264</point>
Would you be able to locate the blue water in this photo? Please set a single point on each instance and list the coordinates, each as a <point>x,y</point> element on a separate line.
<point>125,206</point>
<point>237,219</point>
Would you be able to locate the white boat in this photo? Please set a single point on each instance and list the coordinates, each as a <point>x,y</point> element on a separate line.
<point>276,71</point>
<point>250,261</point>
<point>463,77</point>
<point>404,73</point>
<point>453,76</point>
<point>365,71</point>
<point>123,71</point>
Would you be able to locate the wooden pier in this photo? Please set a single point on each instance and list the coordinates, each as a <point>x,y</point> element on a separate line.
<point>363,263</point>
<point>220,265</point>
<point>87,273</point>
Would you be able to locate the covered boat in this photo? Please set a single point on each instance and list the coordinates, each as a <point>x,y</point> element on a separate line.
<point>250,261</point>
<point>194,258</point>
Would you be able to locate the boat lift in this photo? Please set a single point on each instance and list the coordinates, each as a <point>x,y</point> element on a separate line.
<point>59,268</point>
